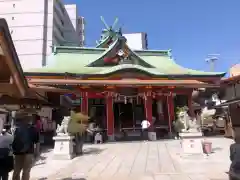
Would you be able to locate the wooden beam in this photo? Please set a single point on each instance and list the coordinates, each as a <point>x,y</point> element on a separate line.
<point>123,83</point>
<point>9,89</point>
<point>12,66</point>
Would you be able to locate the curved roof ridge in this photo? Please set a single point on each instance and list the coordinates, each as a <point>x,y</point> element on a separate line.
<point>189,70</point>
<point>104,53</point>
<point>130,66</point>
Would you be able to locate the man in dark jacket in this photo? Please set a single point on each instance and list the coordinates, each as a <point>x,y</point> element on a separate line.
<point>25,136</point>
<point>6,158</point>
<point>234,172</point>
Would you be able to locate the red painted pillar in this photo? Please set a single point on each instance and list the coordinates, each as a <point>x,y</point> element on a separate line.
<point>84,103</point>
<point>110,117</point>
<point>170,107</point>
<point>148,107</point>
<point>190,105</point>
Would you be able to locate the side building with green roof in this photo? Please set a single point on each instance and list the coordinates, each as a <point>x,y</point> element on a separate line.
<point>149,79</point>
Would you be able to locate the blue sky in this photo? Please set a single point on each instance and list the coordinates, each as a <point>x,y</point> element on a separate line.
<point>191,28</point>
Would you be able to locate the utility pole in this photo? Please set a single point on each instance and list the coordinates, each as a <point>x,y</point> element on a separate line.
<point>211,59</point>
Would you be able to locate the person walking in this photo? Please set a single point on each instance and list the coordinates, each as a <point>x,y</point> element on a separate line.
<point>24,138</point>
<point>234,171</point>
<point>6,157</point>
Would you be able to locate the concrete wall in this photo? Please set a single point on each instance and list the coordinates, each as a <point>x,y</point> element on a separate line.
<point>25,19</point>
<point>137,41</point>
<point>36,25</point>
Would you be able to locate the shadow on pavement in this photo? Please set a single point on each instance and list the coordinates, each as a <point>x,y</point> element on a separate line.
<point>90,151</point>
<point>73,179</point>
<point>41,159</point>
<point>65,179</point>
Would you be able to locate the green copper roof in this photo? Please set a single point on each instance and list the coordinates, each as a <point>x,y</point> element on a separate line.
<point>74,60</point>
<point>90,61</point>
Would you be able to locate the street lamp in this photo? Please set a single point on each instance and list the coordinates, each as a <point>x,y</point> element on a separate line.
<point>211,59</point>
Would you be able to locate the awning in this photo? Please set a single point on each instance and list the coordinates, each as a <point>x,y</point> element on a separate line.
<point>229,102</point>
<point>13,82</point>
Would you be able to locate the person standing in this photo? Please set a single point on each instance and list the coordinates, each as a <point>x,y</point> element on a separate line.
<point>6,158</point>
<point>234,171</point>
<point>24,139</point>
<point>38,125</point>
<point>145,125</point>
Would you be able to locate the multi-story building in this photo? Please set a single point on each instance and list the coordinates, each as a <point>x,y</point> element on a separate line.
<point>36,25</point>
<point>74,26</point>
<point>137,41</point>
<point>81,30</point>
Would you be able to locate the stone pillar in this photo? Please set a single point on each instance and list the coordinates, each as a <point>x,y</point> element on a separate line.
<point>110,117</point>
<point>84,103</point>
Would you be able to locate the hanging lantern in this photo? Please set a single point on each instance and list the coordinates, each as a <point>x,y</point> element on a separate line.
<point>125,100</point>
<point>138,100</point>
<point>131,100</point>
<point>154,95</point>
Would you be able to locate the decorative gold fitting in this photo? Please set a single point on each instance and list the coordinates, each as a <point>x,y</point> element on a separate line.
<point>148,87</point>
<point>110,87</point>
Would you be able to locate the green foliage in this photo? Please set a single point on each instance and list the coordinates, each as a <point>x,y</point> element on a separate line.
<point>181,109</point>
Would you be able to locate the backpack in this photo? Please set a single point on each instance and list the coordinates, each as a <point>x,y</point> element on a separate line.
<point>21,140</point>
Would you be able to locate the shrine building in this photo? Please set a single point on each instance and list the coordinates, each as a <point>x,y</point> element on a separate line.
<point>120,87</point>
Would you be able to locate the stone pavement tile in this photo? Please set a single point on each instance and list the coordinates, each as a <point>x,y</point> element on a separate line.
<point>179,177</point>
<point>128,159</point>
<point>218,176</point>
<point>140,161</point>
<point>140,177</point>
<point>153,164</point>
<point>81,164</point>
<point>167,163</point>
<point>198,177</point>
<point>113,167</point>
<point>104,163</point>
<point>162,177</point>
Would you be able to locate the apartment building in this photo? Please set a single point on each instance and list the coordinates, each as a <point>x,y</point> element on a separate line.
<point>137,41</point>
<point>37,25</point>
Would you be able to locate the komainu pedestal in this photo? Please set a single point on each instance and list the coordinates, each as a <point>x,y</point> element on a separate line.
<point>63,147</point>
<point>191,142</point>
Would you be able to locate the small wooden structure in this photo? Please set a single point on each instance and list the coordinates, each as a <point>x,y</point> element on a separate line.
<point>232,105</point>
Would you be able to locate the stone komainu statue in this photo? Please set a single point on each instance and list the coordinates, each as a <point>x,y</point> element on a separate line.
<point>73,124</point>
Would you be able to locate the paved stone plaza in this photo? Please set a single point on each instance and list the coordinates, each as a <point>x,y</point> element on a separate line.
<point>158,160</point>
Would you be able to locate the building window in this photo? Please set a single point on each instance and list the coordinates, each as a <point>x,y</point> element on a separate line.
<point>14,5</point>
<point>62,34</point>
<point>13,18</point>
<point>11,31</point>
<point>62,22</point>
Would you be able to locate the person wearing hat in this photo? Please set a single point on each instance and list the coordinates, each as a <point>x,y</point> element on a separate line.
<point>6,157</point>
